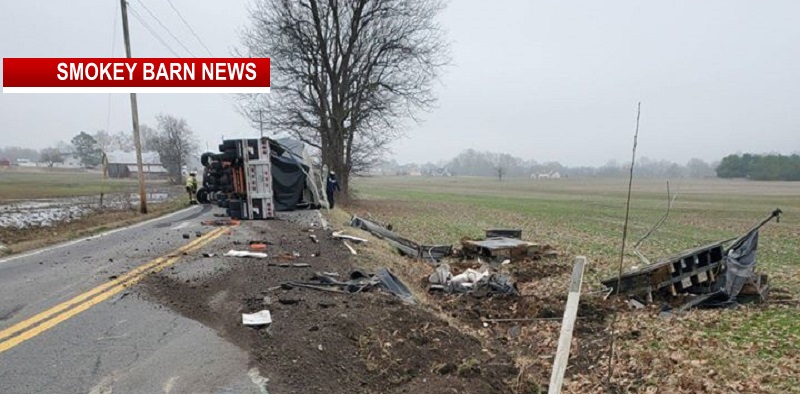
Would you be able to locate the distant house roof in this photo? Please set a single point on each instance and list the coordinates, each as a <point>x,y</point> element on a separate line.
<point>120,157</point>
<point>148,169</point>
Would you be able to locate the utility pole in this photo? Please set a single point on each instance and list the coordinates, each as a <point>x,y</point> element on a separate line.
<point>135,115</point>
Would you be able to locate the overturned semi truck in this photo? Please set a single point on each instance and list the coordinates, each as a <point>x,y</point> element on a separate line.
<point>254,178</point>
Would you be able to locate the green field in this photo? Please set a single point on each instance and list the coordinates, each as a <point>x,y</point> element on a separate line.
<point>24,184</point>
<point>752,347</point>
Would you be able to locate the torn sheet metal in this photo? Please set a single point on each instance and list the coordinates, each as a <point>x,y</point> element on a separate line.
<point>405,246</point>
<point>389,282</point>
<point>739,264</point>
<point>359,281</point>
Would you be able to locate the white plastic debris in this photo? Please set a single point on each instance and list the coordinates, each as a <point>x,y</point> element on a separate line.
<point>259,318</point>
<point>441,276</point>
<point>469,276</point>
<point>245,253</point>
<point>341,235</point>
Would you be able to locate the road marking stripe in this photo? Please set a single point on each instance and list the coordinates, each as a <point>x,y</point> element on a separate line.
<point>100,293</point>
<point>91,293</point>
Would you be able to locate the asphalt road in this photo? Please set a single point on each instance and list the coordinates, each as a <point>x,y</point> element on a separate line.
<point>71,321</point>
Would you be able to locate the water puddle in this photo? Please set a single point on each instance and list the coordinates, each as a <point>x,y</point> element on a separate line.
<point>48,212</point>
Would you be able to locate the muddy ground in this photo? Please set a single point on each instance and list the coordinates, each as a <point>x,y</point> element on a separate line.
<point>372,342</point>
<point>328,342</point>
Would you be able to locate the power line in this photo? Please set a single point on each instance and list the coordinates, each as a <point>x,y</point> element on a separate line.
<point>114,29</point>
<point>190,27</point>
<point>166,29</point>
<point>152,32</point>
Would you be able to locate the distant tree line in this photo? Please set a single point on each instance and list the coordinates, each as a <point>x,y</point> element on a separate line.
<point>502,165</point>
<point>771,167</point>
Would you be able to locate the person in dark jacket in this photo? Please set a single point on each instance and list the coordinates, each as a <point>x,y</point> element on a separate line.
<point>331,187</point>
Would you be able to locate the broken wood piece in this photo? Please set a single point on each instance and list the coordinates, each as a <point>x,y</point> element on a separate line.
<point>313,287</point>
<point>353,251</point>
<point>565,338</point>
<point>500,248</point>
<point>521,319</point>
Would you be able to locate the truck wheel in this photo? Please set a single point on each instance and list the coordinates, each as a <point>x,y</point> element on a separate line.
<point>205,157</point>
<point>202,196</point>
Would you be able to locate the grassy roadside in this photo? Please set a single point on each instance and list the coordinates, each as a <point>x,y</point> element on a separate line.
<point>22,240</point>
<point>752,349</point>
<point>25,184</point>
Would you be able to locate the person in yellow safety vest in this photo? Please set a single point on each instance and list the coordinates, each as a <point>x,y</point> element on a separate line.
<point>191,186</point>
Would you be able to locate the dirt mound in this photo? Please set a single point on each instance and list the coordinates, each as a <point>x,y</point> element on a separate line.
<point>329,342</point>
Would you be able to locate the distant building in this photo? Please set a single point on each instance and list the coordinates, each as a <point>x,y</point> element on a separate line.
<point>123,165</point>
<point>70,161</point>
<point>26,163</point>
<point>546,175</point>
<point>5,163</point>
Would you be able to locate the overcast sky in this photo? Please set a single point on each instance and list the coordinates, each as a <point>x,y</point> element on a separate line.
<point>549,81</point>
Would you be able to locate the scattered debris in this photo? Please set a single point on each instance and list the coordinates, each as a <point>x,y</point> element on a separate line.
<point>198,234</point>
<point>330,274</point>
<point>314,238</point>
<point>405,246</point>
<point>259,318</point>
<point>505,233</point>
<point>500,248</point>
<point>258,246</point>
<point>289,300</point>
<point>471,280</point>
<point>359,281</point>
<point>352,251</point>
<point>186,236</point>
<point>687,272</point>
<point>341,235</point>
<point>220,222</point>
<point>710,275</point>
<point>244,253</point>
<point>389,282</point>
<point>206,254</point>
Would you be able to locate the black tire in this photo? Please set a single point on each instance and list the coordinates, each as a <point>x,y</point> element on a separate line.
<point>202,196</point>
<point>205,158</point>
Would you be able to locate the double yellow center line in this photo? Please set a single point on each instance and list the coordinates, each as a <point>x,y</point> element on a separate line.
<point>33,326</point>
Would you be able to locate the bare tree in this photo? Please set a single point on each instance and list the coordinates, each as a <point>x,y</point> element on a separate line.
<point>122,141</point>
<point>51,156</point>
<point>174,142</point>
<point>147,136</point>
<point>345,73</point>
<point>104,141</point>
<point>501,162</point>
